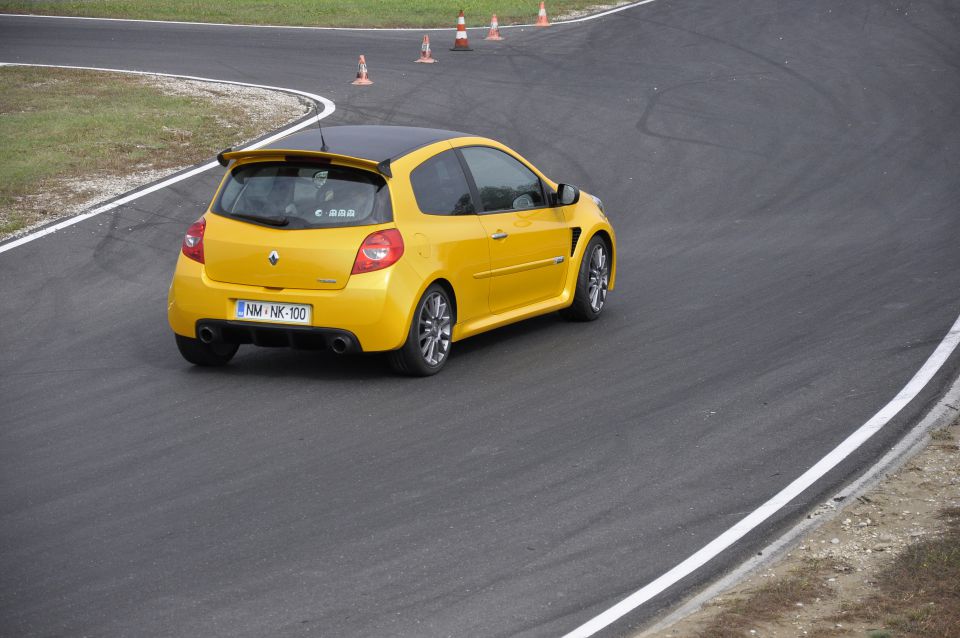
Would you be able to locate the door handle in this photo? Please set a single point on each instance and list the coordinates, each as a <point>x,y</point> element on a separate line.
<point>499,235</point>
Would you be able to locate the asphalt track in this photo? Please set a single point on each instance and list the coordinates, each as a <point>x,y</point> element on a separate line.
<point>783,180</point>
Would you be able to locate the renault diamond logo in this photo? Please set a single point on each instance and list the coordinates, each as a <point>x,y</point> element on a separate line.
<point>273,258</point>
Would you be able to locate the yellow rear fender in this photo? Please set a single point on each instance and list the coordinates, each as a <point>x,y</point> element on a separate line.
<point>436,278</point>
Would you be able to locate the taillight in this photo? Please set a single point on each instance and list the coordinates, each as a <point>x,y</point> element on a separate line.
<point>379,250</point>
<point>193,240</point>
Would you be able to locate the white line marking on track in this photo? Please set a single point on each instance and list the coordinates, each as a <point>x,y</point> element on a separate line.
<point>941,415</point>
<point>328,108</point>
<point>602,14</point>
<point>276,26</point>
<point>784,496</point>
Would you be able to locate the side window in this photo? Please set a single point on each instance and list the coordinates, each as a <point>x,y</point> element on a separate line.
<point>440,186</point>
<point>503,182</point>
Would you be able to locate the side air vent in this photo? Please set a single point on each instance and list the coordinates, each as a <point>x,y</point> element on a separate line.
<point>576,238</point>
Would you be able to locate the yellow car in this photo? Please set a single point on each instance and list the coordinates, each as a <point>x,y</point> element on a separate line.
<point>384,239</point>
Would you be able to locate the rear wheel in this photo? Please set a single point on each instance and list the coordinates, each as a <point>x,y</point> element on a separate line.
<point>205,354</point>
<point>592,282</point>
<point>427,347</point>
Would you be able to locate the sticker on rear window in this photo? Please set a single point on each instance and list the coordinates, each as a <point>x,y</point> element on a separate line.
<point>335,212</point>
<point>320,178</point>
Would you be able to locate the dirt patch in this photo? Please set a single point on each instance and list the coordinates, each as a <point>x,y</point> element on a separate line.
<point>74,195</point>
<point>887,566</point>
<point>263,109</point>
<point>918,595</point>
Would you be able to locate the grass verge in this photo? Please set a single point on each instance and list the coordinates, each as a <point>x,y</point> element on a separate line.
<point>63,131</point>
<point>358,13</point>
<point>918,596</point>
<point>804,584</point>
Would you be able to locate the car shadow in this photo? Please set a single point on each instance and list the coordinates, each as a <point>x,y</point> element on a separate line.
<point>253,361</point>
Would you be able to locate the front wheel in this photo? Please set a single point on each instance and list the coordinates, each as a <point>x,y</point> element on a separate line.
<point>205,354</point>
<point>592,281</point>
<point>427,347</point>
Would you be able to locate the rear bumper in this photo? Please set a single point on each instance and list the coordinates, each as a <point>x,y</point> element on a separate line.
<point>373,310</point>
<point>278,336</point>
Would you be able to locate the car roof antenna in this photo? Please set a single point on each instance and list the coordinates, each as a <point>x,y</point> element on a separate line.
<point>323,142</point>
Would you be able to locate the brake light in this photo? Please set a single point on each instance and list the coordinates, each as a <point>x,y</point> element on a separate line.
<point>193,240</point>
<point>379,250</point>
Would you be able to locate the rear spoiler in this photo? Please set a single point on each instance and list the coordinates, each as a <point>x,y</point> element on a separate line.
<point>227,155</point>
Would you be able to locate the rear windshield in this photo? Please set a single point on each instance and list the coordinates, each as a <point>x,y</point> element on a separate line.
<point>304,195</point>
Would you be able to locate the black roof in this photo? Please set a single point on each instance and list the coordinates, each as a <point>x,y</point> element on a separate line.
<point>369,142</point>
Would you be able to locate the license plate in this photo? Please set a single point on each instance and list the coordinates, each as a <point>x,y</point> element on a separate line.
<point>272,311</point>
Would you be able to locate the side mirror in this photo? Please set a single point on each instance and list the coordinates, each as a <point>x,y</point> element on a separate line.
<point>567,194</point>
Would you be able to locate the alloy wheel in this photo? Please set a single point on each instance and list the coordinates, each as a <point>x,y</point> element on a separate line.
<point>434,329</point>
<point>599,278</point>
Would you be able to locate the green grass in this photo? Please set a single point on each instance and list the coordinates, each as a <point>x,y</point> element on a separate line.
<point>770,601</point>
<point>943,434</point>
<point>59,125</point>
<point>918,595</point>
<point>355,13</point>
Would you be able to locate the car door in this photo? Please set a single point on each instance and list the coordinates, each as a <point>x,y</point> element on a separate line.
<point>529,239</point>
<point>447,233</point>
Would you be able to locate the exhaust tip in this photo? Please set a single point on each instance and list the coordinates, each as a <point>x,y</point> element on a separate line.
<point>339,345</point>
<point>206,334</point>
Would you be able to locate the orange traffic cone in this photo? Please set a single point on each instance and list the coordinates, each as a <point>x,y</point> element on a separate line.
<point>425,56</point>
<point>362,73</point>
<point>461,43</point>
<point>494,33</point>
<point>542,17</point>
<point>494,29</point>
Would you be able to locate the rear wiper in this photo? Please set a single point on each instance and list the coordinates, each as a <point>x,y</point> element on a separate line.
<point>272,221</point>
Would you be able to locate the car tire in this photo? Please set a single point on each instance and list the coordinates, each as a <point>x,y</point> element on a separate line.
<point>427,347</point>
<point>205,354</point>
<point>591,293</point>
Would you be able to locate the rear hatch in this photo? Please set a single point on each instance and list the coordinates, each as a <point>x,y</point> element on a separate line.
<point>292,224</point>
